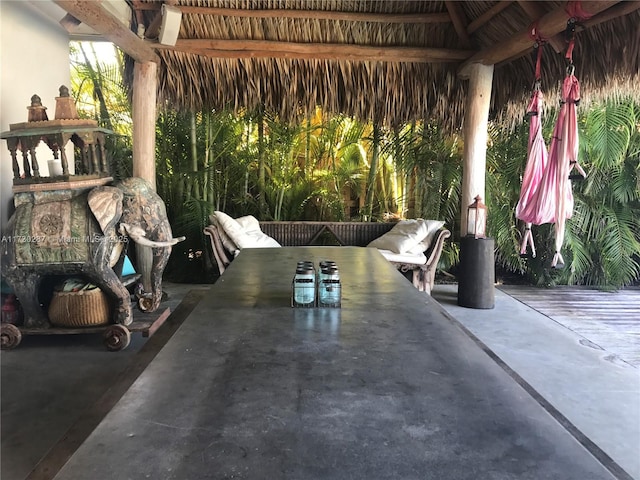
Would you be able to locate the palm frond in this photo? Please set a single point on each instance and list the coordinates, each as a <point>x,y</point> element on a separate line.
<point>607,132</point>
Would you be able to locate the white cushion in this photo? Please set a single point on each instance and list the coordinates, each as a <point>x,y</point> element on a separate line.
<point>404,236</point>
<point>224,221</point>
<point>240,236</point>
<point>254,239</point>
<point>249,223</point>
<point>414,259</point>
<point>432,228</point>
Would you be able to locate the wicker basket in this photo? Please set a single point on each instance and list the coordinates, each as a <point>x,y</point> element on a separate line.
<point>85,308</point>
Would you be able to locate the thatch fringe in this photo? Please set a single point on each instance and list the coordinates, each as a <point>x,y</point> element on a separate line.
<point>390,93</point>
<point>607,59</point>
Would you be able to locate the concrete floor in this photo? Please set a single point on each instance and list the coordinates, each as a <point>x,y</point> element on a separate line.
<point>590,391</point>
<point>54,389</point>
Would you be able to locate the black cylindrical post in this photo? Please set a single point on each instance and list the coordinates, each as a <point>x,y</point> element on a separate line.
<point>477,273</point>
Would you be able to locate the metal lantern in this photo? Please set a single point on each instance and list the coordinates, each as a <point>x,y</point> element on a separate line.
<point>477,219</point>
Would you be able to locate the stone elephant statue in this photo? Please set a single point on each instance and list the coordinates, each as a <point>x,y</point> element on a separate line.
<point>75,232</point>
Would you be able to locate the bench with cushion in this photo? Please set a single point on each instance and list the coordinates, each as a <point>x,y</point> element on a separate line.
<point>410,245</point>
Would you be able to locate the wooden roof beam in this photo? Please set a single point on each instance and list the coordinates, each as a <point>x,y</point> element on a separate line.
<point>459,22</point>
<point>488,15</point>
<point>320,15</point>
<point>69,22</point>
<point>534,11</point>
<point>620,10</point>
<point>311,51</point>
<point>142,6</point>
<point>549,25</point>
<point>623,8</point>
<point>107,25</point>
<point>152,31</point>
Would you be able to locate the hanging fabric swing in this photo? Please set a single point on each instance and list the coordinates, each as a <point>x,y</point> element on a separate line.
<point>563,151</point>
<point>537,159</point>
<point>546,195</point>
<point>563,154</point>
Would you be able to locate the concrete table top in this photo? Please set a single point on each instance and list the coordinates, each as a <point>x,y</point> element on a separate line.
<point>385,387</point>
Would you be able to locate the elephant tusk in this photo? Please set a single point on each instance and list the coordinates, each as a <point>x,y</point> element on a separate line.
<point>137,234</point>
<point>151,243</point>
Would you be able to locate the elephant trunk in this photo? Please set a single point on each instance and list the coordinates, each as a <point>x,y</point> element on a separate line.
<point>151,296</point>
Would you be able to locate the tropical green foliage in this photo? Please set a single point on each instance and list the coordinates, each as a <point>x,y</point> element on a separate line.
<point>506,159</point>
<point>602,239</point>
<point>431,162</point>
<point>99,93</point>
<point>604,235</point>
<point>193,188</point>
<point>339,168</point>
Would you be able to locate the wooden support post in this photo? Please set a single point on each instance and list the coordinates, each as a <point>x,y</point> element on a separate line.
<point>144,121</point>
<point>144,146</point>
<point>475,138</point>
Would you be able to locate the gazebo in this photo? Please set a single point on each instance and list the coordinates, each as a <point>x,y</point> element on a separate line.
<point>460,62</point>
<point>386,61</point>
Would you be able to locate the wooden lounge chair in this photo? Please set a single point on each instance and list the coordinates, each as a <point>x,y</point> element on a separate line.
<point>424,273</point>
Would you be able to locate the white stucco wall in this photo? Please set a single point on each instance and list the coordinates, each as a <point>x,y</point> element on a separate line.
<point>34,59</point>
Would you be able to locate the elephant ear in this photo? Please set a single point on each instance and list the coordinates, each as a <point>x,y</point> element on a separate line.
<point>106,205</point>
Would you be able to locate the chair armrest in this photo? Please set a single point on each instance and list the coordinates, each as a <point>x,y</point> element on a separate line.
<point>219,252</point>
<point>435,250</point>
<point>424,273</point>
<point>427,274</point>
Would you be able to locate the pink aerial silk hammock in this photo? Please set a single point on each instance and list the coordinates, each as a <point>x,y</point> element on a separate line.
<point>527,208</point>
<point>563,157</point>
<point>546,195</point>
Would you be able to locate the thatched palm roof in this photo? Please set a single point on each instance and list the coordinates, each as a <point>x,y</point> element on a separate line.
<point>392,86</point>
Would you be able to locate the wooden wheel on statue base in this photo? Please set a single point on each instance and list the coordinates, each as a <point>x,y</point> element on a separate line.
<point>117,337</point>
<point>10,336</point>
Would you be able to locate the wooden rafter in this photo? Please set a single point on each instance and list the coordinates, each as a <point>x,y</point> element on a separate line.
<point>311,14</point>
<point>459,22</point>
<point>69,22</point>
<point>153,29</point>
<point>102,21</point>
<point>549,25</point>
<point>309,51</point>
<point>534,11</point>
<point>138,14</point>
<point>488,15</point>
<point>140,6</point>
<point>623,8</point>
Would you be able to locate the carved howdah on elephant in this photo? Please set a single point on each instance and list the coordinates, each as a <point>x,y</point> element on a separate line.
<point>74,232</point>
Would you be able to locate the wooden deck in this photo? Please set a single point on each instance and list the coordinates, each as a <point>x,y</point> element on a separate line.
<point>607,320</point>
